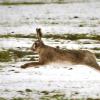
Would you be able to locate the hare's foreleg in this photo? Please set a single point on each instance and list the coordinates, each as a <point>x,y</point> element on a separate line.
<point>32,64</point>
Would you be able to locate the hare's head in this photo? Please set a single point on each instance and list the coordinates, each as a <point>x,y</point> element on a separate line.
<point>38,44</point>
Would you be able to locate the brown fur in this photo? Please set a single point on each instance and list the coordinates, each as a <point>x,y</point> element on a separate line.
<point>48,54</point>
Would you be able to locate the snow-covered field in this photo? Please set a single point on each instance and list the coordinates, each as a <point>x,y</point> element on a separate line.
<point>78,82</point>
<point>53,81</point>
<point>52,18</point>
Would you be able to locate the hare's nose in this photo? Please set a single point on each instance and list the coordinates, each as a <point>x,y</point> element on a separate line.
<point>31,48</point>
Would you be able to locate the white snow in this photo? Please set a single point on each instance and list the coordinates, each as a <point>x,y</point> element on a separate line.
<point>51,77</point>
<point>45,1</point>
<point>59,20</point>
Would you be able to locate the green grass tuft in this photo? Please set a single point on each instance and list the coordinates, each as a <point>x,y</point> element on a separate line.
<point>18,99</point>
<point>54,97</point>
<point>5,56</point>
<point>17,36</point>
<point>56,36</point>
<point>20,3</point>
<point>28,90</point>
<point>9,55</point>
<point>2,98</point>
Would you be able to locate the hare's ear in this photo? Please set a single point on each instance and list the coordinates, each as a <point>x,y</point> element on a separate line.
<point>39,33</point>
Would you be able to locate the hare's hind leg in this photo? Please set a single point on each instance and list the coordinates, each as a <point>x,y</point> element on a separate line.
<point>90,60</point>
<point>94,65</point>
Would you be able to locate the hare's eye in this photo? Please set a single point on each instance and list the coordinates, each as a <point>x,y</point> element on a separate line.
<point>36,44</point>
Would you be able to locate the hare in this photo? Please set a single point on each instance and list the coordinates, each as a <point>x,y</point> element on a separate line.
<point>48,54</point>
